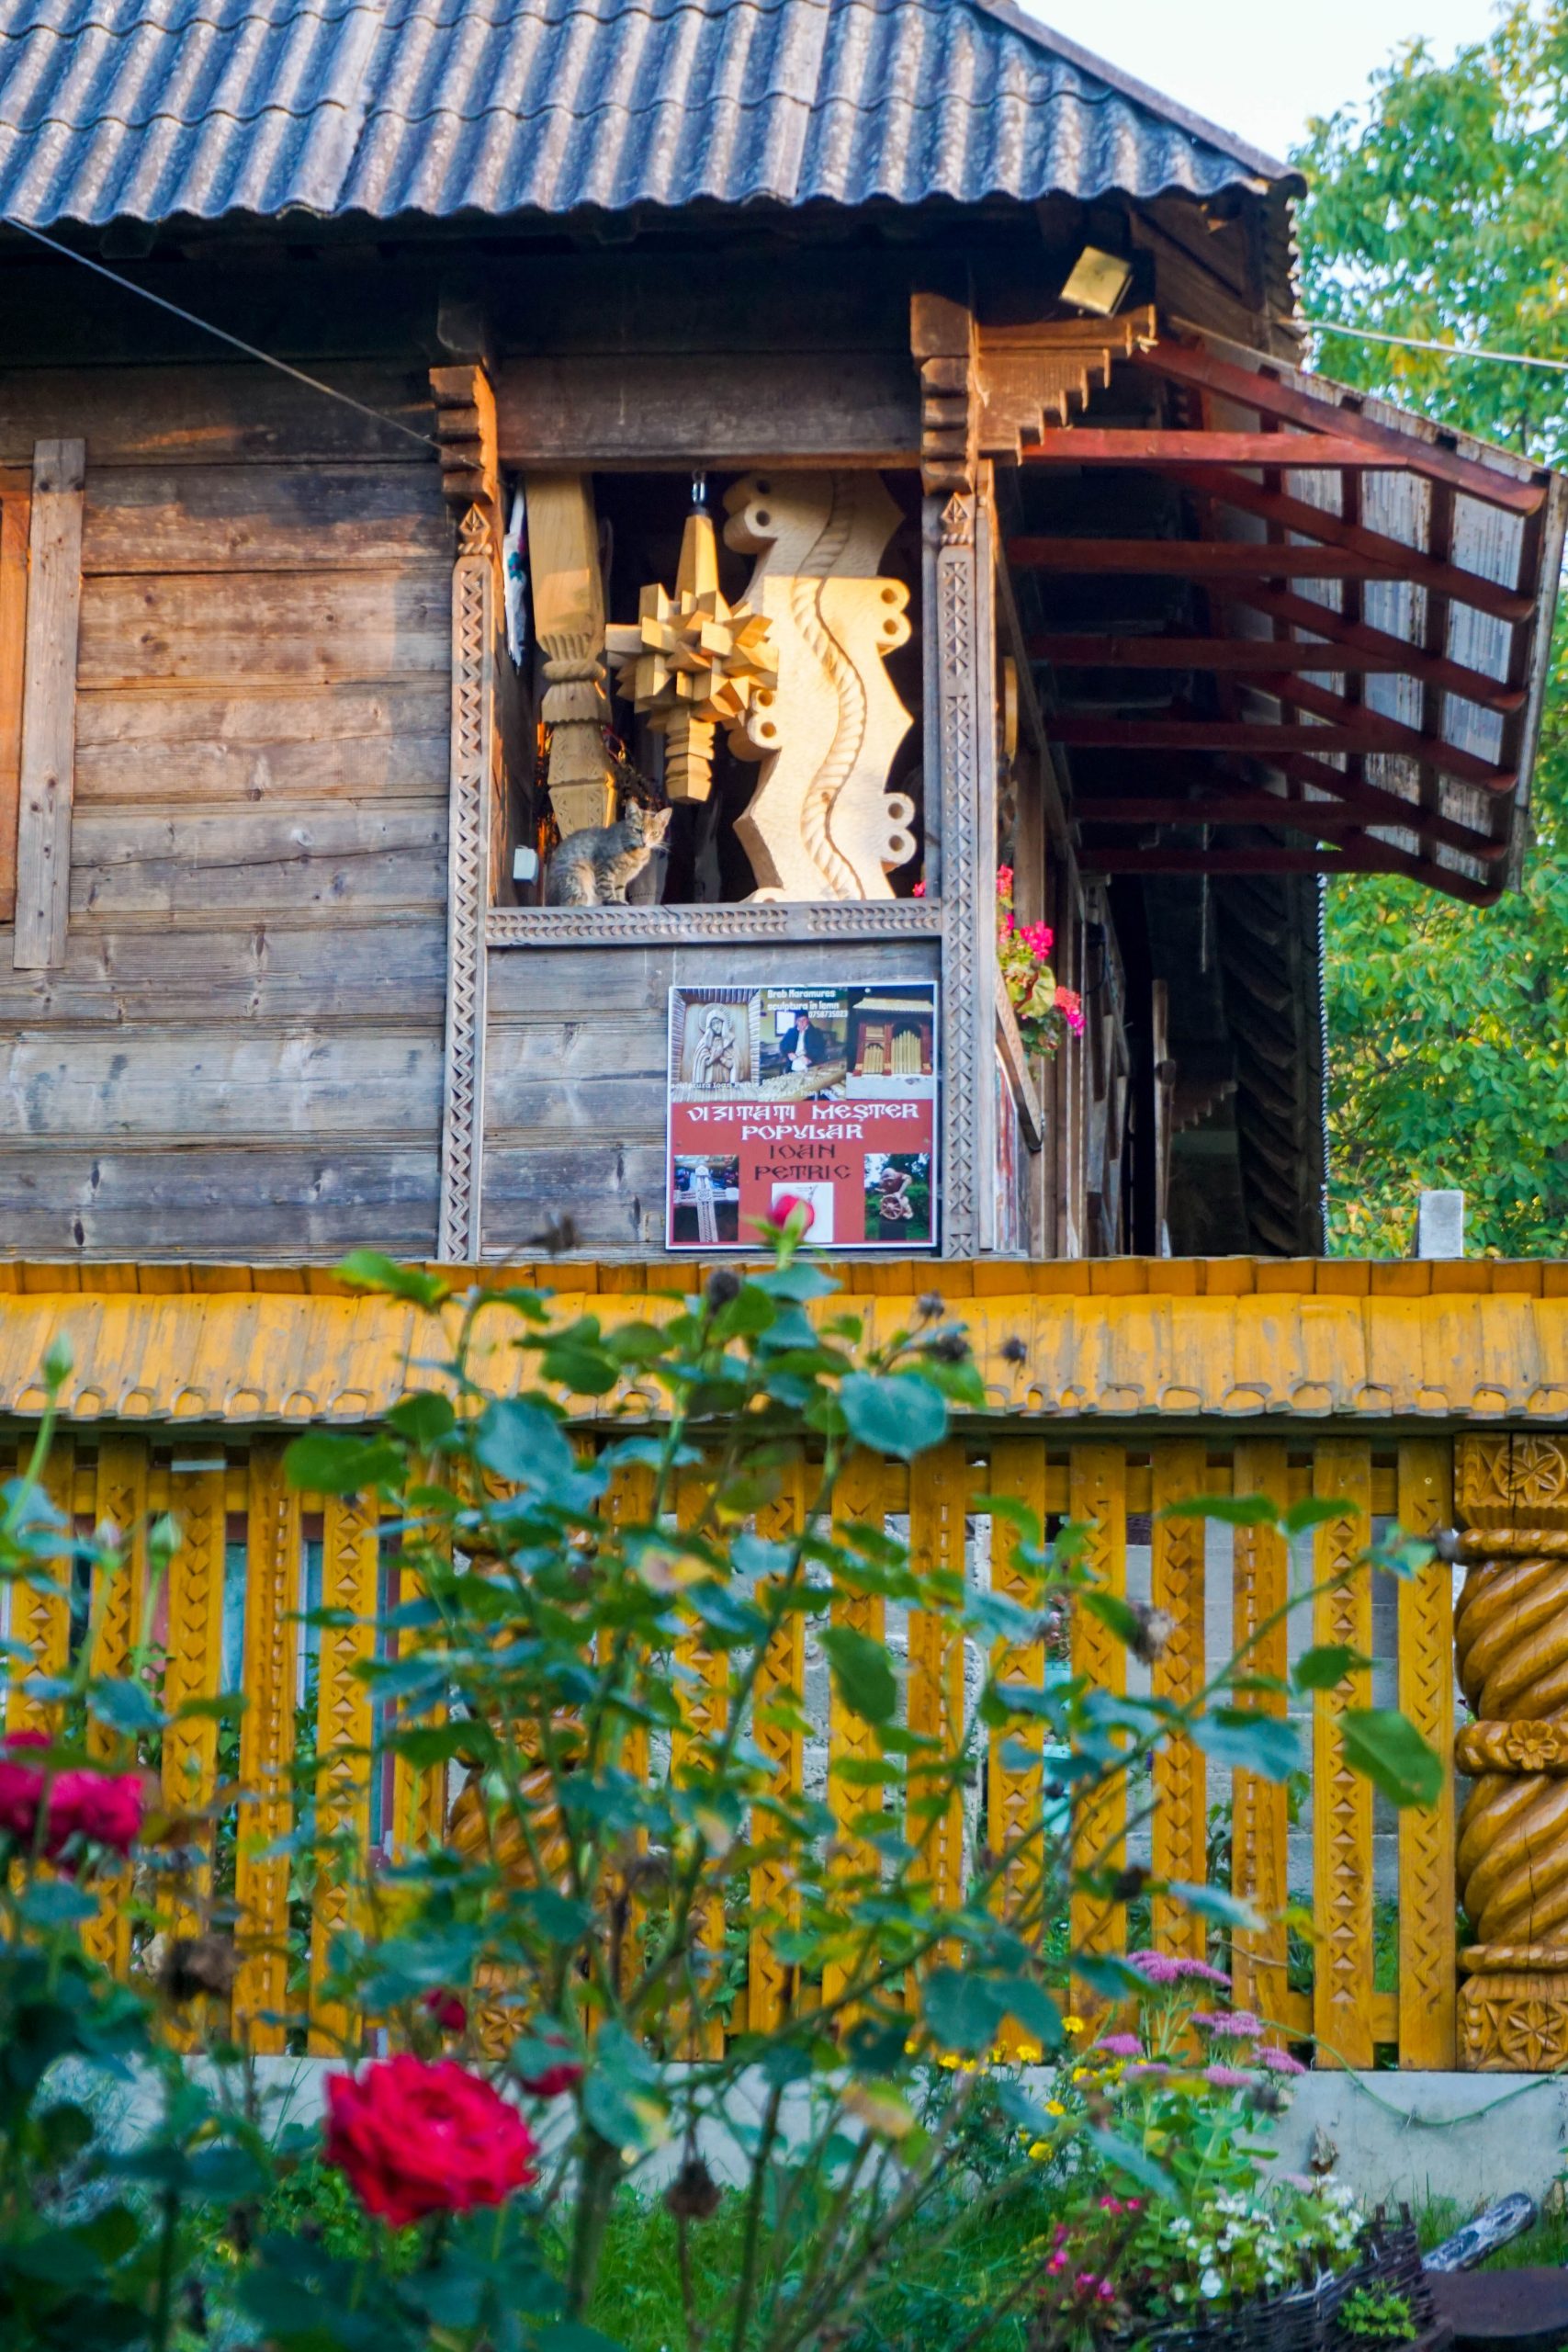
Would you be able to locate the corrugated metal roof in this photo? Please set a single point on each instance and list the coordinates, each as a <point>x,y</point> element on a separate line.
<point>149,109</point>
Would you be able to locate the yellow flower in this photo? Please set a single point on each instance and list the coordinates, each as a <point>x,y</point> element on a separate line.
<point>1039,2151</point>
<point>948,2065</point>
<point>1072,2025</point>
<point>1054,2106</point>
<point>1029,2053</point>
<point>1078,2074</point>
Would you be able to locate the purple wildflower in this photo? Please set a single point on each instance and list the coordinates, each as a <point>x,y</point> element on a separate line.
<point>1174,1968</point>
<point>1227,2025</point>
<point>1226,2078</point>
<point>1121,2045</point>
<point>1279,2062</point>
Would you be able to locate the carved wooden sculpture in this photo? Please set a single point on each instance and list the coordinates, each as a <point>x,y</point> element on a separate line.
<point>692,662</point>
<point>822,823</point>
<point>568,620</point>
<point>1511,1634</point>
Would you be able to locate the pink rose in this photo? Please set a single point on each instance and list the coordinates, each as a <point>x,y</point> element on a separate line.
<point>21,1785</point>
<point>102,1807</point>
<point>444,2009</point>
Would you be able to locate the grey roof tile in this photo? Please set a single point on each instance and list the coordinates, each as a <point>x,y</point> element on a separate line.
<point>149,109</point>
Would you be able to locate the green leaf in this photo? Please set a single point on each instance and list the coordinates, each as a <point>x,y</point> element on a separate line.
<point>963,2012</point>
<point>1313,1510</point>
<point>424,1418</point>
<point>369,1270</point>
<point>1214,1903</point>
<point>571,2336</point>
<point>1231,1511</point>
<point>1121,2155</point>
<point>56,1903</point>
<point>897,1413</point>
<point>128,1707</point>
<point>1386,1747</point>
<point>861,1675</point>
<point>326,1462</point>
<point>1323,1667</point>
<point>1269,1746</point>
<point>522,1442</point>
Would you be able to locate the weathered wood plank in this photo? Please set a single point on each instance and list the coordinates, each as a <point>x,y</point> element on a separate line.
<point>48,704</point>
<point>261,1201</point>
<point>258,972</point>
<point>551,983</point>
<point>312,627</point>
<point>613,1192</point>
<point>193,1084</point>
<point>342,856</point>
<point>15,506</point>
<point>263,518</point>
<point>681,407</point>
<point>294,742</point>
<point>204,416</point>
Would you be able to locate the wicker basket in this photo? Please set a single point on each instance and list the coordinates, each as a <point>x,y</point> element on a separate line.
<point>1306,2318</point>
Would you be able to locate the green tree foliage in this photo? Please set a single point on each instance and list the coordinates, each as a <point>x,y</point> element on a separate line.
<point>1440,210</point>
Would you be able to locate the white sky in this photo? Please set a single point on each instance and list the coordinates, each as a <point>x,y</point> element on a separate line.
<point>1258,66</point>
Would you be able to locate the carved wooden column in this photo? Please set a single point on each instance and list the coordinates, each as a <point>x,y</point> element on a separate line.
<point>961,764</point>
<point>465,425</point>
<point>1511,1636</point>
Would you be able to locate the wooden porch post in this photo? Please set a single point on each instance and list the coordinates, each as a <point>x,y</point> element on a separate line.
<point>959,629</point>
<point>1511,1634</point>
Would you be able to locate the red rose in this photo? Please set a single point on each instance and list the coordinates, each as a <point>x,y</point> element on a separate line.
<point>103,1807</point>
<point>562,2074</point>
<point>445,2009</point>
<point>21,1785</point>
<point>416,2137</point>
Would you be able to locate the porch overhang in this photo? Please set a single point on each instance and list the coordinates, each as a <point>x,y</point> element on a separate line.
<point>1285,627</point>
<point>1118,1341</point>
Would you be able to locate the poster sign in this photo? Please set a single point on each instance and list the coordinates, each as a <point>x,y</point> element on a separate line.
<point>827,1095</point>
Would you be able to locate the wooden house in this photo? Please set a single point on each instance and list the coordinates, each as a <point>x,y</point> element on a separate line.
<point>873,432</point>
<point>1168,629</point>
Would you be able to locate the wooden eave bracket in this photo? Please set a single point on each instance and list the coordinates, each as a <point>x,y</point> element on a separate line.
<point>943,341</point>
<point>1034,377</point>
<point>465,427</point>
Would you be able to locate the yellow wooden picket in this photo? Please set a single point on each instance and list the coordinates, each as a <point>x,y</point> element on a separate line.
<point>1326,1989</point>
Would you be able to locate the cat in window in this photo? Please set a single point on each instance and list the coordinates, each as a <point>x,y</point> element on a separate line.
<point>594,867</point>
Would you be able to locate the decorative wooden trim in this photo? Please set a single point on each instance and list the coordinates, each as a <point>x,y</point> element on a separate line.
<point>42,1619</point>
<point>1260,1808</point>
<point>467,889</point>
<point>781,1684</point>
<point>941,1492</point>
<point>1177,1585</point>
<point>266,1748</point>
<point>464,426</point>
<point>1426,1862</point>
<point>1096,1499</point>
<point>634,926</point>
<point>350,1582</point>
<point>941,338</point>
<point>49,705</point>
<point>119,1499</point>
<point>1342,1799</point>
<point>16,509</point>
<point>966,1048</point>
<point>1036,377</point>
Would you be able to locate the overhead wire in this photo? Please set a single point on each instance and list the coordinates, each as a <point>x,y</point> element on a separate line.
<point>1445,350</point>
<point>251,350</point>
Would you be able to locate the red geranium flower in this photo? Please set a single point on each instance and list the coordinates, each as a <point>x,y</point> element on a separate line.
<point>414,2137</point>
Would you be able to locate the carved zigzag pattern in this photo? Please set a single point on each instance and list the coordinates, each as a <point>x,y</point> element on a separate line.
<point>467,886</point>
<point>1260,1586</point>
<point>1342,1799</point>
<point>956,594</point>
<point>1177,1585</point>
<point>1096,1499</point>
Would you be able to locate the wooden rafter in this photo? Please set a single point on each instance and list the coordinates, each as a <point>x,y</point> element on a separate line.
<point>1350,857</point>
<point>1146,445</point>
<point>1076,651</point>
<point>1193,558</point>
<point>1367,732</point>
<point>1184,362</point>
<point>1384,558</point>
<point>1345,637</point>
<point>1385,734</point>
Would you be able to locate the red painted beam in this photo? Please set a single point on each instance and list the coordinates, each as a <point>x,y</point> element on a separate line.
<point>1429,669</point>
<point>1391,734</point>
<point>1240,808</point>
<point>1381,808</point>
<point>1365,732</point>
<point>1194,558</point>
<point>1388,559</point>
<point>1141,446</point>
<point>1374,858</point>
<point>1189,364</point>
<point>1085,652</point>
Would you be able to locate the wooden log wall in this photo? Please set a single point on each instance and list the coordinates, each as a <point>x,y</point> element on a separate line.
<point>240,1054</point>
<point>575,1074</point>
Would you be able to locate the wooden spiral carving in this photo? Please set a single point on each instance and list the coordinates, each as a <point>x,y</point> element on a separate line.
<point>1511,1639</point>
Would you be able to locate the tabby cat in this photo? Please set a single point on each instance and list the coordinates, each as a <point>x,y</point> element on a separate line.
<point>593,868</point>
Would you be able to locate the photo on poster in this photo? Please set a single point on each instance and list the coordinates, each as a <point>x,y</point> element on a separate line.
<point>824,1096</point>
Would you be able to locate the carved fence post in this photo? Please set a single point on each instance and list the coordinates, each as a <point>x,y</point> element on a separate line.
<point>1511,1636</point>
<point>961,765</point>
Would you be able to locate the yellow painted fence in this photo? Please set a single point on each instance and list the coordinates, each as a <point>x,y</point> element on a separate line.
<point>1379,1978</point>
